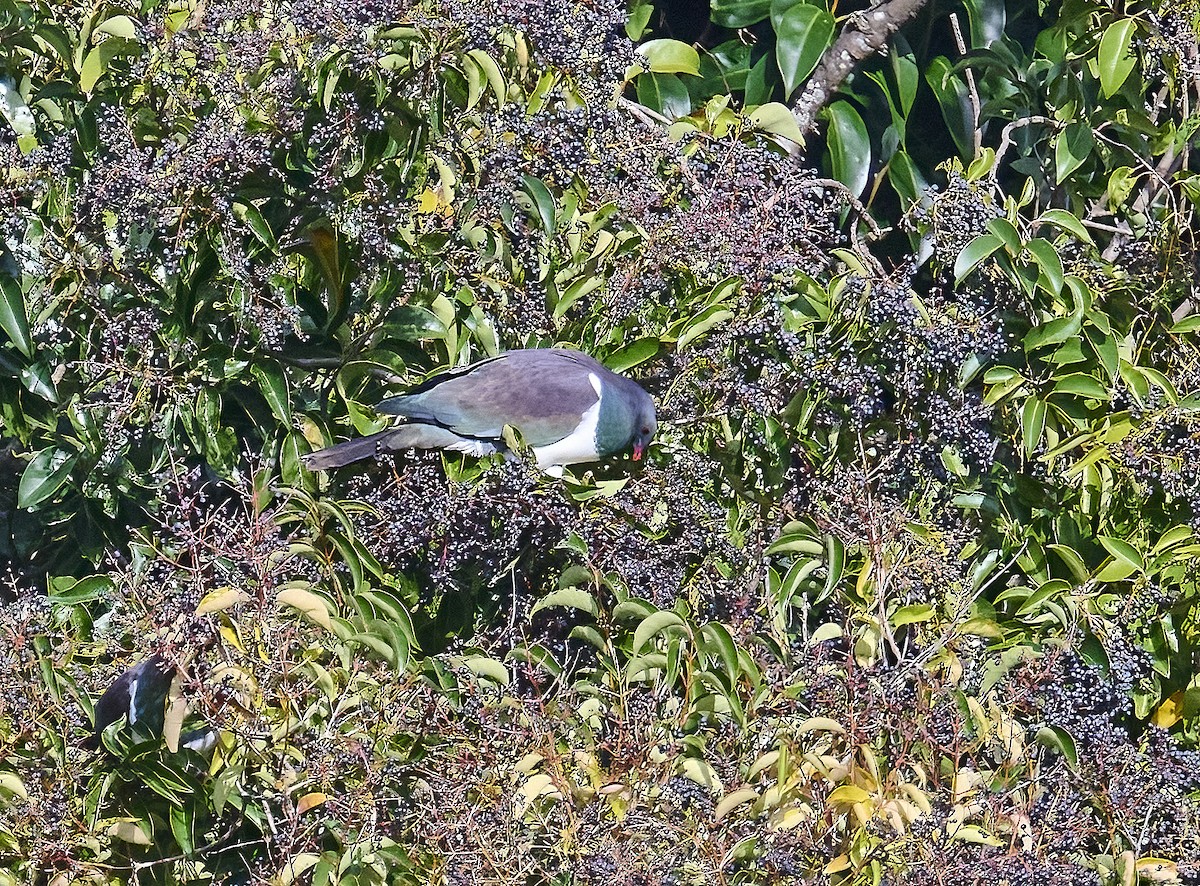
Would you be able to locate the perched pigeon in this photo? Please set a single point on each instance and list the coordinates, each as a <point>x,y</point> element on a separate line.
<point>140,695</point>
<point>565,404</point>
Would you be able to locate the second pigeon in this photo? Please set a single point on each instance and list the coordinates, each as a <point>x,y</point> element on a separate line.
<point>568,406</point>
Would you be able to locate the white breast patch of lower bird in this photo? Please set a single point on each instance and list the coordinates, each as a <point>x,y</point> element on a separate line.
<point>580,444</point>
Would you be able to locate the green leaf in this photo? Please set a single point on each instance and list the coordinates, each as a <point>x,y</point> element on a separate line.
<point>1032,604</point>
<point>715,637</point>
<point>1158,379</point>
<point>987,19</point>
<point>493,670</point>
<point>181,826</point>
<point>1082,385</point>
<point>1033,423</point>
<point>738,13</point>
<point>254,220</point>
<point>664,93</point>
<point>43,476</point>
<point>849,146</point>
<point>974,253</point>
<point>761,81</point>
<point>670,57</point>
<point>916,612</point>
<point>652,625</point>
<point>639,20</point>
<point>955,103</point>
<point>569,598</point>
<point>118,26</point>
<point>1071,560</point>
<point>70,591</point>
<point>1048,262</point>
<point>1072,147</point>
<point>632,354</point>
<point>1065,221</point>
<point>13,318</point>
<point>1058,739</point>
<point>1187,324</point>
<point>1052,332</point>
<point>1123,551</point>
<point>1004,229</point>
<point>706,320</point>
<point>776,119</point>
<point>579,288</point>
<point>1114,58</point>
<point>491,71</point>
<point>802,33</point>
<point>906,179</point>
<point>835,562</point>
<point>1115,569</point>
<point>906,73</point>
<point>543,202</point>
<point>273,384</point>
<point>92,69</point>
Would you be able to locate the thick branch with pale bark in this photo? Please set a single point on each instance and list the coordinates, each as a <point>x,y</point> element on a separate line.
<point>864,34</point>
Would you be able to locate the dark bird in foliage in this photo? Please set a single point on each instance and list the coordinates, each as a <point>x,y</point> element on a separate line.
<point>140,696</point>
<point>568,406</point>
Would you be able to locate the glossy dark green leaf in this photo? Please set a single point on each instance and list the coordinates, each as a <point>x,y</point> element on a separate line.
<point>1033,423</point>
<point>1072,147</point>
<point>254,220</point>
<point>543,203</point>
<point>849,146</point>
<point>802,33</point>
<point>1004,229</point>
<point>953,98</point>
<point>906,72</point>
<point>273,384</point>
<point>181,826</point>
<point>761,81</point>
<point>723,70</point>
<point>14,319</point>
<point>44,476</point>
<point>738,13</point>
<point>906,180</point>
<point>1114,59</point>
<point>664,93</point>
<point>1052,332</point>
<point>1065,221</point>
<point>1048,262</point>
<point>39,379</point>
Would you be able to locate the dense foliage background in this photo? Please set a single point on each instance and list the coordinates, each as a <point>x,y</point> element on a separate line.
<point>906,592</point>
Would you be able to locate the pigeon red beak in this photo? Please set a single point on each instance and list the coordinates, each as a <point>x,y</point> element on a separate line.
<point>638,449</point>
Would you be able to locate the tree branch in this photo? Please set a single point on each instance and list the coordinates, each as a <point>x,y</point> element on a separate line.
<point>864,34</point>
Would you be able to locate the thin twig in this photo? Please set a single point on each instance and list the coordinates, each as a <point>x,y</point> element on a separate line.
<point>971,90</point>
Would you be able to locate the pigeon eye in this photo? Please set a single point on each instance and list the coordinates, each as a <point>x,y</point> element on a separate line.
<point>645,430</point>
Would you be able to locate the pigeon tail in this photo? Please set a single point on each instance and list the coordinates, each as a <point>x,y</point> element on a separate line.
<point>414,435</point>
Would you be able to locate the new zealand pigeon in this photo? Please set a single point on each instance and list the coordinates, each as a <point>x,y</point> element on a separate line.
<point>140,695</point>
<point>568,406</point>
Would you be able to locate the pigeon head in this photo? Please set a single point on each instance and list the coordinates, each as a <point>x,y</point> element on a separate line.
<point>645,425</point>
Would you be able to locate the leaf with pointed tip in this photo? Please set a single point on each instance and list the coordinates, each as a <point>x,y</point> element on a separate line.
<point>43,476</point>
<point>802,34</point>
<point>13,317</point>
<point>1114,59</point>
<point>849,146</point>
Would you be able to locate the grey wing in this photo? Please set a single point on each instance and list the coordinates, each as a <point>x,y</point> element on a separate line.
<point>542,393</point>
